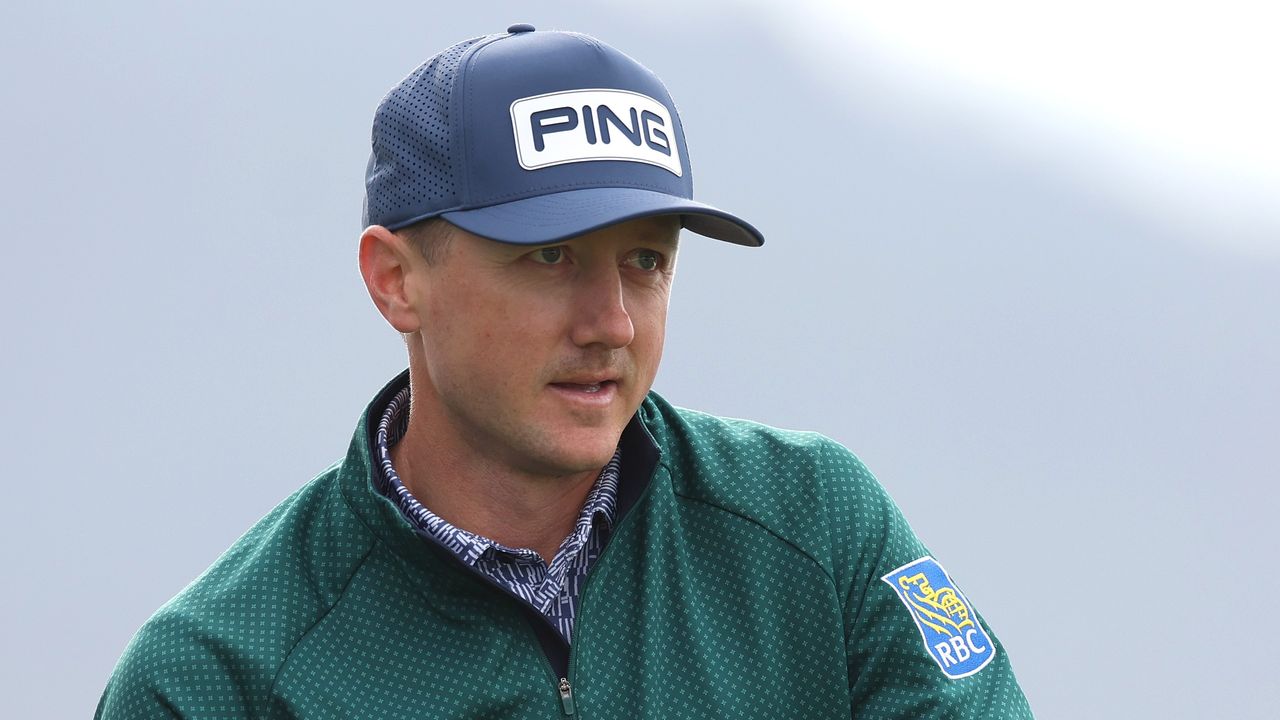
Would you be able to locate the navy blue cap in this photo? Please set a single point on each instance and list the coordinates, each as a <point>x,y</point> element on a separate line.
<point>531,137</point>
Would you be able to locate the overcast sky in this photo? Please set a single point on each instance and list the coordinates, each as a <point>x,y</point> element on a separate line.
<point>1025,264</point>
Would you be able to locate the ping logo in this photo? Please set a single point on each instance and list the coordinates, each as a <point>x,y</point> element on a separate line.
<point>582,125</point>
<point>951,631</point>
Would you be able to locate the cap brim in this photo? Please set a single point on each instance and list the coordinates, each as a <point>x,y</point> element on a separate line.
<point>551,218</point>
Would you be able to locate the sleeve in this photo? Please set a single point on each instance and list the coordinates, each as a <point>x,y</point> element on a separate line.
<point>173,669</point>
<point>915,646</point>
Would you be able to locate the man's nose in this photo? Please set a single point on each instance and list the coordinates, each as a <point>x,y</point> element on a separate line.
<point>600,312</point>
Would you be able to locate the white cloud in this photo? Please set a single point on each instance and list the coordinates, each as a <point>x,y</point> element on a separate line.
<point>1176,101</point>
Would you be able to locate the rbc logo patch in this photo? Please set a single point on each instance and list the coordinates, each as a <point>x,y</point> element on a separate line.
<point>950,628</point>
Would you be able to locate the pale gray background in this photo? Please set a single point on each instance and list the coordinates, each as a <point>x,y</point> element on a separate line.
<point>1067,382</point>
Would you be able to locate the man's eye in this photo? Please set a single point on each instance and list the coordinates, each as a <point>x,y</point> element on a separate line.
<point>548,255</point>
<point>647,260</point>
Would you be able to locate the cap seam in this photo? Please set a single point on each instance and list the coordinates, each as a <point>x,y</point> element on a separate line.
<point>687,159</point>
<point>463,115</point>
<point>472,56</point>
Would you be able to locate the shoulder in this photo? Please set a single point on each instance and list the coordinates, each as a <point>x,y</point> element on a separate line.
<point>235,625</point>
<point>719,454</point>
<point>801,485</point>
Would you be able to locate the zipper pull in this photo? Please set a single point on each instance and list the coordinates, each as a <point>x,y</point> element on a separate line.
<point>566,696</point>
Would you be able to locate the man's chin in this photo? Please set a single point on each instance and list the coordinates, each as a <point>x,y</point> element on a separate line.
<point>577,453</point>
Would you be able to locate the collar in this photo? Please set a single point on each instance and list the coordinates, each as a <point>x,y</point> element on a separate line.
<point>393,423</point>
<point>358,472</point>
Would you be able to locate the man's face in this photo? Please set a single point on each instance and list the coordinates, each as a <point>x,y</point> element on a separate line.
<point>537,357</point>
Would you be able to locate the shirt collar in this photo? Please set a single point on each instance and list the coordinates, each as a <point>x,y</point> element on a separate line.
<point>599,506</point>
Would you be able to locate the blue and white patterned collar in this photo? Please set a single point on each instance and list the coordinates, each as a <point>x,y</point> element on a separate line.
<point>470,547</point>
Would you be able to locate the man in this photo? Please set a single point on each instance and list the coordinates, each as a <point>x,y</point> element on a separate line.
<point>520,528</point>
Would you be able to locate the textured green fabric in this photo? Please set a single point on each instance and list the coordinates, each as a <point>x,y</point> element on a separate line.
<point>744,583</point>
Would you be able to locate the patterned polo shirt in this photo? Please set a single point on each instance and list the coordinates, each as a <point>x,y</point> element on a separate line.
<point>552,590</point>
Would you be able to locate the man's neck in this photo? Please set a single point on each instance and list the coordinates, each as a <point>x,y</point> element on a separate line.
<point>480,495</point>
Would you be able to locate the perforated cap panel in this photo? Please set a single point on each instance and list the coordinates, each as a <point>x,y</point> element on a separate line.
<point>411,171</point>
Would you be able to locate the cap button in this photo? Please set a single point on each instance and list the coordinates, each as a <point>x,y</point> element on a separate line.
<point>521,28</point>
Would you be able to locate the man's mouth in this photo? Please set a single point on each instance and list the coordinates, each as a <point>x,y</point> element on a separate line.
<point>594,387</point>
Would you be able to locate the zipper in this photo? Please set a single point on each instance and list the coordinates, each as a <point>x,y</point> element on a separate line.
<point>566,696</point>
<point>565,688</point>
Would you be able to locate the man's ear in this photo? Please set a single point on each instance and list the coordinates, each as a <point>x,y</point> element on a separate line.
<point>386,262</point>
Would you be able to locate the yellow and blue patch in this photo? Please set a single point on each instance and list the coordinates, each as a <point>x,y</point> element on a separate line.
<point>948,624</point>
